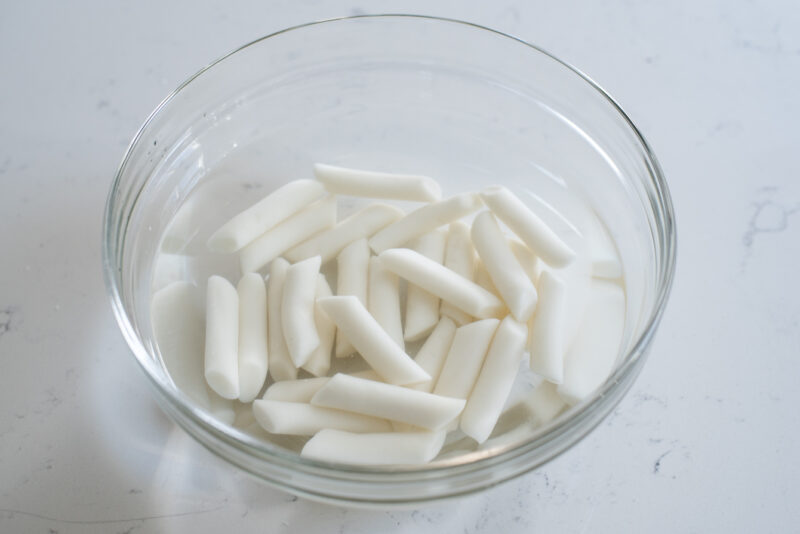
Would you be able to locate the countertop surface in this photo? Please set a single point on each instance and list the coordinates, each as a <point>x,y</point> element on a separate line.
<point>706,441</point>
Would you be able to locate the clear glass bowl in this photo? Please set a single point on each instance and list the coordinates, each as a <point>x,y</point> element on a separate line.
<point>472,107</point>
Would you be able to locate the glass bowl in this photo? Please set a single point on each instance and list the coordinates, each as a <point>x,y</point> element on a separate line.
<point>466,104</point>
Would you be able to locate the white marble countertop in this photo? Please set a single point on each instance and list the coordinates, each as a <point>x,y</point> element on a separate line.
<point>707,440</point>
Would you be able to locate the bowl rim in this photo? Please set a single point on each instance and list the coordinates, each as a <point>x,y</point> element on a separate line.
<point>665,278</point>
